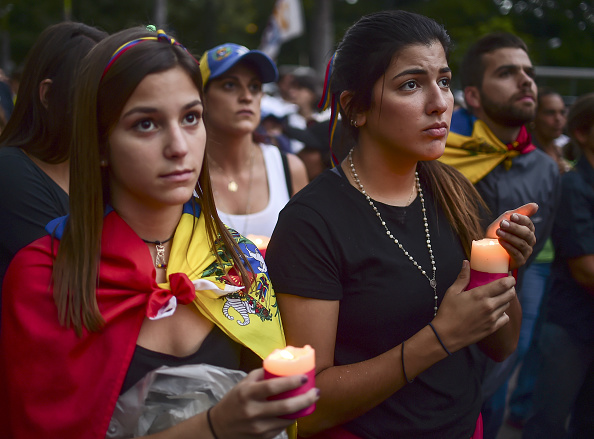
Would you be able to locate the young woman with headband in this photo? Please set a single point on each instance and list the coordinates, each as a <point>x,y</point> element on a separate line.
<point>141,273</point>
<point>370,259</point>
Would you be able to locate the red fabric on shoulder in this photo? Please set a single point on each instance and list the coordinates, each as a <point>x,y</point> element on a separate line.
<point>53,383</point>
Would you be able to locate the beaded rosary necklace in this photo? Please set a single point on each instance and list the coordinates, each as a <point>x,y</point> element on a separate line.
<point>432,281</point>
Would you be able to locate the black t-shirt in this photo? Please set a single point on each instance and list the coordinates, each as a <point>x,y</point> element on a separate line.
<point>30,199</point>
<point>570,305</point>
<point>329,244</point>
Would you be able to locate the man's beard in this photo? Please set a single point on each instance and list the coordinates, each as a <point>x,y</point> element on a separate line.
<point>506,113</point>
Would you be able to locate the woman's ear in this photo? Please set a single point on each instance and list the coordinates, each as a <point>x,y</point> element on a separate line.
<point>357,119</point>
<point>345,100</point>
<point>44,87</point>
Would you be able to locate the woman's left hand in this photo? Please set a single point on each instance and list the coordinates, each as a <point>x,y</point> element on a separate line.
<point>515,231</point>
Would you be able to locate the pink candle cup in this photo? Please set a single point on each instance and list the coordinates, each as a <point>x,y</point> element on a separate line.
<point>292,361</point>
<point>489,261</point>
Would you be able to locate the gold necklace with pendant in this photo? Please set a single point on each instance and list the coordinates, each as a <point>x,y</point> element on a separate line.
<point>232,185</point>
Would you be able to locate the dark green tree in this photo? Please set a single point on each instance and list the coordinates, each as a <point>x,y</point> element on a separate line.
<point>558,32</point>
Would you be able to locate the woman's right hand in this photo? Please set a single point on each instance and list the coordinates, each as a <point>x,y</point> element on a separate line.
<point>245,411</point>
<point>466,317</point>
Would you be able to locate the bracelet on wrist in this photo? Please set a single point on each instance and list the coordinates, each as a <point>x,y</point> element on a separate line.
<point>208,418</point>
<point>439,340</point>
<point>403,369</point>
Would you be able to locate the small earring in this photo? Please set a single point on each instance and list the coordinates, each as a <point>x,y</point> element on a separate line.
<point>103,163</point>
<point>354,123</point>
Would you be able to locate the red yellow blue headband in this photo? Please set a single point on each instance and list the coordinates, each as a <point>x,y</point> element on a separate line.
<point>329,100</point>
<point>161,36</point>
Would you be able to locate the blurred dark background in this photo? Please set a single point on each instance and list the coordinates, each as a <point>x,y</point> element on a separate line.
<point>559,33</point>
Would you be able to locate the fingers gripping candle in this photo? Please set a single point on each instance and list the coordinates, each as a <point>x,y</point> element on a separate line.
<point>292,361</point>
<point>489,261</point>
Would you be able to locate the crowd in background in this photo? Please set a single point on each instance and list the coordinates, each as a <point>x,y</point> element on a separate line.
<point>264,171</point>
<point>291,119</point>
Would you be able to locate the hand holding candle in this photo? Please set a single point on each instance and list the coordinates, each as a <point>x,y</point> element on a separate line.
<point>489,261</point>
<point>292,361</point>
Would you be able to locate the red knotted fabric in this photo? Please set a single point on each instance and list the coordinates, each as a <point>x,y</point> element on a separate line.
<point>53,383</point>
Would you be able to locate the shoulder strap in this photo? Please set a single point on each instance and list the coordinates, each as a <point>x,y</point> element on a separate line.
<point>287,173</point>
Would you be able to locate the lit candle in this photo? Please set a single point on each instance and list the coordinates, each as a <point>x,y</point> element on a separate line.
<point>488,256</point>
<point>260,241</point>
<point>489,261</point>
<point>292,361</point>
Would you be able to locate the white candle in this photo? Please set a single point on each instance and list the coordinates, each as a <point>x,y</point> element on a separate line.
<point>489,256</point>
<point>290,361</point>
<point>293,361</point>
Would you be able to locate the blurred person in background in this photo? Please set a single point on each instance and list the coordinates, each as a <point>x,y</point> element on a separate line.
<point>6,101</point>
<point>2,120</point>
<point>548,126</point>
<point>15,81</point>
<point>305,92</point>
<point>275,99</point>
<point>34,145</point>
<point>564,386</point>
<point>547,131</point>
<point>272,128</point>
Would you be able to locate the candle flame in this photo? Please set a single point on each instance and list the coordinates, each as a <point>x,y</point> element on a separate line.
<point>286,355</point>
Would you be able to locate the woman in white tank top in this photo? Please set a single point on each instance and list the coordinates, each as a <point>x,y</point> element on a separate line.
<point>249,181</point>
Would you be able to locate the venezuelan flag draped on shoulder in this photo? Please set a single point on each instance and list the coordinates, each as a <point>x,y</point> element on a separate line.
<point>250,317</point>
<point>474,150</point>
<point>73,383</point>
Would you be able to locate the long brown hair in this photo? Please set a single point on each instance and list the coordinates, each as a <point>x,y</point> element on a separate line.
<point>44,132</point>
<point>362,57</point>
<point>98,103</point>
<point>458,198</point>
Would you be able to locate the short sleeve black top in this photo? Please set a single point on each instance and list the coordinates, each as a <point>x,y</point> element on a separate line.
<point>570,305</point>
<point>329,244</point>
<point>30,199</point>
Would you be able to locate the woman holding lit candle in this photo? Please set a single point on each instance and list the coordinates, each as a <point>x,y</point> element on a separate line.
<point>370,260</point>
<point>142,273</point>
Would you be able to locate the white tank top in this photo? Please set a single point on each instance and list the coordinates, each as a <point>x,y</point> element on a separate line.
<point>263,222</point>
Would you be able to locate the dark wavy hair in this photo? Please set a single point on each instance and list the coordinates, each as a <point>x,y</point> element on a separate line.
<point>56,55</point>
<point>367,49</point>
<point>362,58</point>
